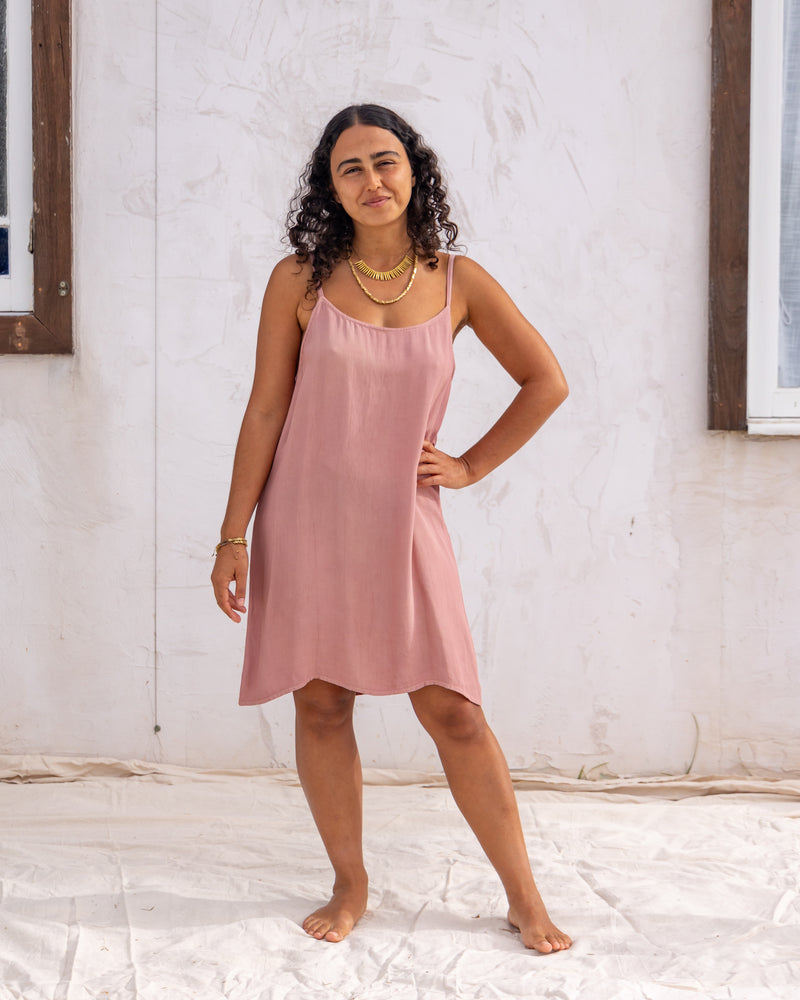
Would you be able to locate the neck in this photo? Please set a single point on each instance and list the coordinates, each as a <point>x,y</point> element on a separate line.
<point>381,248</point>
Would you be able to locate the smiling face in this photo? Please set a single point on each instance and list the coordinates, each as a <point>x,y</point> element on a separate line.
<point>371,175</point>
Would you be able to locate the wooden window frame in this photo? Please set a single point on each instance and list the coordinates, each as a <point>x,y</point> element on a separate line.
<point>48,328</point>
<point>729,207</point>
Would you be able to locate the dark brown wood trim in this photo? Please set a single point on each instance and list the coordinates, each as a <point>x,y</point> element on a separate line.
<point>729,196</point>
<point>48,329</point>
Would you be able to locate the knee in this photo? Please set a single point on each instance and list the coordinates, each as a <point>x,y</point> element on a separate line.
<point>323,707</point>
<point>451,716</point>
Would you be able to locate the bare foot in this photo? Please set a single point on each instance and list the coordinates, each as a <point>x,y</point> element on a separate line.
<point>537,929</point>
<point>335,920</point>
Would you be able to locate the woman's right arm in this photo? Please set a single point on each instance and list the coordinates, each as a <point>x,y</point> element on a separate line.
<point>279,334</point>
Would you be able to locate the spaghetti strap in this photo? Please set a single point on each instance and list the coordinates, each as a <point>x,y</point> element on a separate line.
<point>450,260</point>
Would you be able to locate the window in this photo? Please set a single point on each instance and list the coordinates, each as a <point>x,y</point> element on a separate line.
<point>42,323</point>
<point>754,264</point>
<point>16,158</point>
<point>773,339</point>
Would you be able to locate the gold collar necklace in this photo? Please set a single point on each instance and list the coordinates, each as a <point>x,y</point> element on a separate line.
<point>400,269</point>
<point>395,272</point>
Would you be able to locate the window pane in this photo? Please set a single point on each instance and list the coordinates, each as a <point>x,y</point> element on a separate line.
<point>789,338</point>
<point>3,112</point>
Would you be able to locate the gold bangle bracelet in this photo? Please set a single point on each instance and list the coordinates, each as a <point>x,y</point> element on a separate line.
<point>230,541</point>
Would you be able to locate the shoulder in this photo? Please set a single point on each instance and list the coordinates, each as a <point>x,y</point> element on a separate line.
<point>287,290</point>
<point>475,291</point>
<point>463,265</point>
<point>290,273</point>
<point>468,273</point>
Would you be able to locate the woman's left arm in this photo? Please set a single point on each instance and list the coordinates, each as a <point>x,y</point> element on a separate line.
<point>521,350</point>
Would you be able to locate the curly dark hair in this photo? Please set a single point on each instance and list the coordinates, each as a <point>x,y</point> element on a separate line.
<point>319,228</point>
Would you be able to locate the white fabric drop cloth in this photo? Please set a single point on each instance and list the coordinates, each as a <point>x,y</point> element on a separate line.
<point>131,880</point>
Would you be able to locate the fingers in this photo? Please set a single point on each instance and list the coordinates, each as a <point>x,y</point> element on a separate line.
<point>236,607</point>
<point>426,473</point>
<point>430,454</point>
<point>236,601</point>
<point>430,467</point>
<point>436,468</point>
<point>430,458</point>
<point>226,603</point>
<point>232,604</point>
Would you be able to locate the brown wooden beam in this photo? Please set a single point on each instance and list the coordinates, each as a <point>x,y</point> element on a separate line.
<point>729,202</point>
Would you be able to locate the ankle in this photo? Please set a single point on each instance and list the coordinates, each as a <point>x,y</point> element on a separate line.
<point>525,899</point>
<point>352,878</point>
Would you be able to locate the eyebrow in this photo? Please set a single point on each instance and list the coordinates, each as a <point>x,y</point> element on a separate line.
<point>372,156</point>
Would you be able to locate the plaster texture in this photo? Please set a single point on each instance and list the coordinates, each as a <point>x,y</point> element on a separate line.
<point>632,579</point>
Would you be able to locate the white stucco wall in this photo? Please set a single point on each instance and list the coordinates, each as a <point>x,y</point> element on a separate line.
<point>627,573</point>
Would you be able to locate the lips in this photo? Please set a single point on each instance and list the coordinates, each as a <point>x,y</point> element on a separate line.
<point>375,202</point>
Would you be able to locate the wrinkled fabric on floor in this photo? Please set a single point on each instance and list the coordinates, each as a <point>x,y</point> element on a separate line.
<point>131,880</point>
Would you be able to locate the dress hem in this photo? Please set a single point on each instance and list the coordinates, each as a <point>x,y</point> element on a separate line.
<point>372,693</point>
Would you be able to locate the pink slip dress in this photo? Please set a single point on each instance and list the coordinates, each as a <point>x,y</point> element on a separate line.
<point>353,579</point>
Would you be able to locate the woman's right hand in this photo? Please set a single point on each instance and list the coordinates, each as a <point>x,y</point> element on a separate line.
<point>230,566</point>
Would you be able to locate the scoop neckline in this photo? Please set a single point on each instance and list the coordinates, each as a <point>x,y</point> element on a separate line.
<point>322,297</point>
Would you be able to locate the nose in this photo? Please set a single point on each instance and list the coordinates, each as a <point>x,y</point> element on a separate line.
<point>373,181</point>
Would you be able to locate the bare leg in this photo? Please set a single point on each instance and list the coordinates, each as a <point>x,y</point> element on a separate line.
<point>481,785</point>
<point>330,773</point>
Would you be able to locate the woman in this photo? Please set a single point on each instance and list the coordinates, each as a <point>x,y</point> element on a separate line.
<point>354,587</point>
